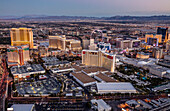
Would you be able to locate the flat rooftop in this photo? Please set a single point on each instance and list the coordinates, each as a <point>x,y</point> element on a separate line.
<point>115,86</point>
<point>49,59</point>
<point>94,69</point>
<point>22,107</point>
<point>102,105</point>
<point>53,63</point>
<point>83,77</point>
<point>105,78</point>
<point>26,69</point>
<point>163,87</point>
<point>108,73</point>
<point>62,68</point>
<point>78,68</point>
<point>158,68</point>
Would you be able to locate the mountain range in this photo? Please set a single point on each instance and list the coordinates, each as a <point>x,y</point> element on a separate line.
<point>45,17</point>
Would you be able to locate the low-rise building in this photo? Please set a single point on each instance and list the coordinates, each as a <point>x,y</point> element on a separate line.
<point>145,105</point>
<point>21,107</point>
<point>132,104</point>
<point>142,55</point>
<point>93,70</point>
<point>157,70</point>
<point>115,87</point>
<point>100,105</point>
<point>105,46</point>
<point>103,78</point>
<point>162,87</point>
<point>83,79</point>
<point>26,70</point>
<point>164,62</point>
<point>63,69</point>
<point>53,62</point>
<point>167,57</point>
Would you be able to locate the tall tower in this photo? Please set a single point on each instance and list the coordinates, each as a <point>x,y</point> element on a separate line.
<point>18,54</point>
<point>164,32</point>
<point>21,36</point>
<point>57,42</point>
<point>99,58</point>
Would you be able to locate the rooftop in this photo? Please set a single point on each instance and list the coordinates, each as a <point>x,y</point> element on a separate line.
<point>102,105</point>
<point>83,77</point>
<point>49,59</point>
<point>22,107</point>
<point>108,73</point>
<point>94,69</point>
<point>105,78</point>
<point>116,86</point>
<point>26,69</point>
<point>158,68</point>
<point>78,68</point>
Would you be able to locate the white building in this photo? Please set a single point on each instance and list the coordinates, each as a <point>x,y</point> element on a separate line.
<point>115,87</point>
<point>103,46</point>
<point>157,70</point>
<point>99,58</point>
<point>60,70</point>
<point>100,105</point>
<point>21,107</point>
<point>26,70</point>
<point>92,45</point>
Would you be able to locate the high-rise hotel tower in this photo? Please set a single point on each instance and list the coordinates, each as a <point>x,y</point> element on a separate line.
<point>98,58</point>
<point>18,54</point>
<point>21,36</point>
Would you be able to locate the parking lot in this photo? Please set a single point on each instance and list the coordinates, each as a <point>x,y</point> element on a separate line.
<point>40,87</point>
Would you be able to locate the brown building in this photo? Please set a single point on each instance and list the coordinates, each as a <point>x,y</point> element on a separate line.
<point>60,42</point>
<point>157,53</point>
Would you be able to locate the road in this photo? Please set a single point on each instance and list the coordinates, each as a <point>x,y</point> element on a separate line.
<point>4,83</point>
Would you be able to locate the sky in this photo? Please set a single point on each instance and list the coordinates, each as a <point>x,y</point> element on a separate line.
<point>96,8</point>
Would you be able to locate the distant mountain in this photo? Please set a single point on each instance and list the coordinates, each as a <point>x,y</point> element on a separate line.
<point>43,17</point>
<point>20,17</point>
<point>162,17</point>
<point>8,17</point>
<point>48,18</point>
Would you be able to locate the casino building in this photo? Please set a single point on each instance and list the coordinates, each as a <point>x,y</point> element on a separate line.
<point>18,54</point>
<point>21,36</point>
<point>98,58</point>
<point>62,43</point>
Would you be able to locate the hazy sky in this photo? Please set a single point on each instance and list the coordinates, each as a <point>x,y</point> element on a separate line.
<point>84,7</point>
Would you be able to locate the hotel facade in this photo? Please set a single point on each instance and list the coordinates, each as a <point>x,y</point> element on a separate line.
<point>62,43</point>
<point>18,54</point>
<point>21,36</point>
<point>98,58</point>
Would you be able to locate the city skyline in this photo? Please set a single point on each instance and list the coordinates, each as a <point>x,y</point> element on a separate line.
<point>85,55</point>
<point>96,8</point>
